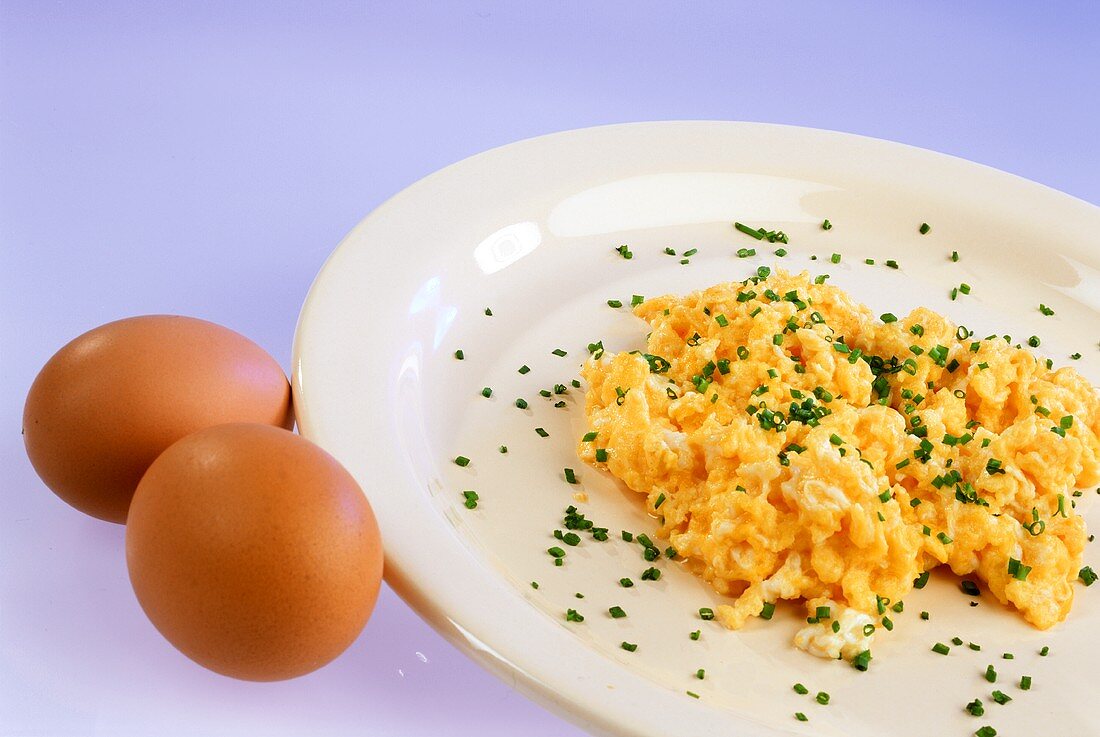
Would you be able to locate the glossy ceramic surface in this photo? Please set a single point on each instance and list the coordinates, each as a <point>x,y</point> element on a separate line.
<point>528,230</point>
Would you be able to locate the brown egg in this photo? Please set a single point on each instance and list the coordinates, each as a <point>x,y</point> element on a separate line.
<point>253,552</point>
<point>108,403</point>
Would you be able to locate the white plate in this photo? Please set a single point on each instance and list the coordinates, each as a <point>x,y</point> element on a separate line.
<point>528,230</point>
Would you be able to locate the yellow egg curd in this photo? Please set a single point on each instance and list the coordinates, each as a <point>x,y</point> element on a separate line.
<point>794,446</point>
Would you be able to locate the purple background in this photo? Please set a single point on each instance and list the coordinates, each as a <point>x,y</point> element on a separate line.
<point>203,158</point>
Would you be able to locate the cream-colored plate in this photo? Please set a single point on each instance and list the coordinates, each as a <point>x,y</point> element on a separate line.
<point>528,230</point>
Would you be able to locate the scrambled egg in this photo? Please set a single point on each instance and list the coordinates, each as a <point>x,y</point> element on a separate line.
<point>794,446</point>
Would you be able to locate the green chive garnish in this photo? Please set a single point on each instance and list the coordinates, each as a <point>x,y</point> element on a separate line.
<point>462,461</point>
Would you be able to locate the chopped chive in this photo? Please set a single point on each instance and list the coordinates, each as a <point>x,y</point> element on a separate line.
<point>800,689</point>
<point>924,228</point>
<point>601,455</point>
<point>487,392</point>
<point>940,648</point>
<point>722,321</point>
<point>636,300</point>
<point>822,698</point>
<point>471,499</point>
<point>589,437</point>
<point>614,303</point>
<point>826,225</point>
<point>1044,651</point>
<point>969,587</point>
<point>1034,341</point>
<point>891,263</point>
<point>801,717</point>
<point>572,615</point>
<point>556,552</point>
<point>990,674</point>
<point>954,255</point>
<point>462,461</point>
<point>706,613</point>
<point>503,449</point>
<point>1045,310</point>
<point>692,694</point>
<point>781,252</point>
<point>986,731</point>
<point>524,369</point>
<point>975,708</point>
<point>1001,697</point>
<point>757,234</point>
<point>521,403</point>
<point>459,354</point>
<point>700,674</point>
<point>767,610</point>
<point>559,352</point>
<point>616,612</point>
<point>542,433</point>
<point>1087,576</point>
<point>695,635</point>
<point>1018,570</point>
<point>1025,683</point>
<point>570,476</point>
<point>626,583</point>
<point>628,646</point>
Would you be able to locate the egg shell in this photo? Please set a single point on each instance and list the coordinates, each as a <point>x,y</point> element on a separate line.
<point>253,551</point>
<point>108,403</point>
